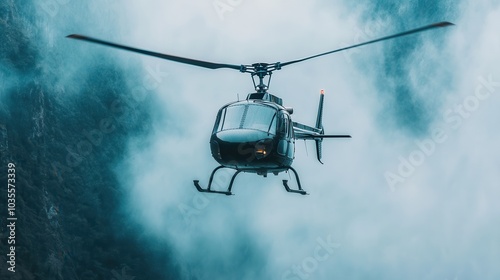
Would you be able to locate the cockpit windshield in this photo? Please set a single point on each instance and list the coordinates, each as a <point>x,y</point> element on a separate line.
<point>248,116</point>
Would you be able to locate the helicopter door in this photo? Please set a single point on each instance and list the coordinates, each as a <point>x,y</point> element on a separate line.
<point>291,139</point>
<point>285,146</point>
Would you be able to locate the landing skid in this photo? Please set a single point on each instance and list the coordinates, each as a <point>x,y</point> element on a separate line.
<point>228,192</point>
<point>287,188</point>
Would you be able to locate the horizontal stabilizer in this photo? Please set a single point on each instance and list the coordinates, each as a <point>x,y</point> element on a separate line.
<point>332,136</point>
<point>314,136</point>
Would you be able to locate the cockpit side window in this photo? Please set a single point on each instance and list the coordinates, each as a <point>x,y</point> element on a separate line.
<point>219,120</point>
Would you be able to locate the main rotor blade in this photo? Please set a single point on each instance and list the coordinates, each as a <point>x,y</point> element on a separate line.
<point>424,28</point>
<point>189,61</point>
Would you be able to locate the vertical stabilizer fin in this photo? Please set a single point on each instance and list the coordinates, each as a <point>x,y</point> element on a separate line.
<point>319,125</point>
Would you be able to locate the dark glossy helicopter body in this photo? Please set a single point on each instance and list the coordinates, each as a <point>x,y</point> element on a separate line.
<point>253,135</point>
<point>257,135</point>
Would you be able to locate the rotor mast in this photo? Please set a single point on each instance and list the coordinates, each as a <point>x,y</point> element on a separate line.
<point>259,71</point>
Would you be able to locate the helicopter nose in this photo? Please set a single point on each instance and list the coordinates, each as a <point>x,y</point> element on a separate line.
<point>244,154</point>
<point>241,147</point>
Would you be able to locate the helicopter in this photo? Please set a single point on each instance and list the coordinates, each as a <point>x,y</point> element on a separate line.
<point>257,135</point>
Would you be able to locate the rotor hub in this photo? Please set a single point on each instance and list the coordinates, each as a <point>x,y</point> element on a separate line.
<point>258,72</point>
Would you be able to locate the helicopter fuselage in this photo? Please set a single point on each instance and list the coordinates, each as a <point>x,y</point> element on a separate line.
<point>253,135</point>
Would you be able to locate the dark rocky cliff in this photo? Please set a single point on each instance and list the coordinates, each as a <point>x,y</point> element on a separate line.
<point>64,140</point>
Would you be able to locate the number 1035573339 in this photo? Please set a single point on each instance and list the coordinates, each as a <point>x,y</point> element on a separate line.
<point>11,189</point>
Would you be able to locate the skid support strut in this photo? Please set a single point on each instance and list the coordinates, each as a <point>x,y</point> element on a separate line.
<point>287,188</point>
<point>209,190</point>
